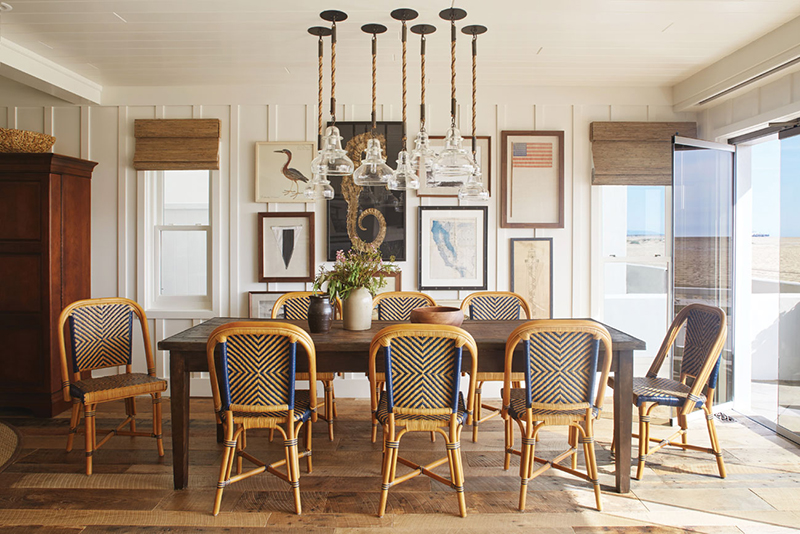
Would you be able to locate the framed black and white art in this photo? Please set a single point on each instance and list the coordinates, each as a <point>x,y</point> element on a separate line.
<point>286,246</point>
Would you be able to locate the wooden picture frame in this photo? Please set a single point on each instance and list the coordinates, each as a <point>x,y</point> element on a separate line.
<point>286,246</point>
<point>261,303</point>
<point>274,168</point>
<point>453,243</point>
<point>360,215</point>
<point>484,153</point>
<point>532,273</point>
<point>393,283</point>
<point>532,179</point>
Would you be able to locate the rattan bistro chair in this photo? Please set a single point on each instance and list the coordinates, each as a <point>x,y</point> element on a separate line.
<point>397,306</point>
<point>560,361</point>
<point>257,390</point>
<point>101,335</point>
<point>423,375</point>
<point>706,330</point>
<point>492,306</point>
<point>295,307</point>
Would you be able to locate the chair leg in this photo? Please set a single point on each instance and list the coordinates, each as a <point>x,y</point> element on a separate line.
<point>476,417</point>
<point>591,462</point>
<point>685,427</point>
<point>644,439</point>
<point>712,434</point>
<point>73,423</point>
<point>309,467</point>
<point>225,467</point>
<point>573,443</point>
<point>509,438</point>
<point>157,423</point>
<point>389,467</point>
<point>130,411</point>
<point>293,469</point>
<point>88,413</point>
<point>241,444</point>
<point>526,465</point>
<point>457,471</point>
<point>330,406</point>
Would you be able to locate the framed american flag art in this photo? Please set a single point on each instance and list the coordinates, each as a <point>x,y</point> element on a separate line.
<point>532,179</point>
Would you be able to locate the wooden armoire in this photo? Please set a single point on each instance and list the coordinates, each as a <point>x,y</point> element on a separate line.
<point>45,261</point>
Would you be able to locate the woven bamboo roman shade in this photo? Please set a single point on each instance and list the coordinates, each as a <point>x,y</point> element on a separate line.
<point>635,153</point>
<point>176,144</point>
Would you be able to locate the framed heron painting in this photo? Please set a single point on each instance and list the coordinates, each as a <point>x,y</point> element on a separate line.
<point>283,169</point>
<point>286,246</point>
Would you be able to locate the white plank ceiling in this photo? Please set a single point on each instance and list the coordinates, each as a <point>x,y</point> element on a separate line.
<point>530,42</point>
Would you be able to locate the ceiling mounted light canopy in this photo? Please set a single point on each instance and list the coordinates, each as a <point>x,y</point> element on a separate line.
<point>373,169</point>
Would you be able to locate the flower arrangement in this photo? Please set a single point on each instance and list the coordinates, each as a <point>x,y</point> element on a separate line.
<point>354,269</point>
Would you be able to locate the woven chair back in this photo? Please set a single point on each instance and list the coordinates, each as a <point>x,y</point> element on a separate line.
<point>101,336</point>
<point>258,371</point>
<point>397,306</point>
<point>561,367</point>
<point>703,325</point>
<point>423,372</point>
<point>496,306</point>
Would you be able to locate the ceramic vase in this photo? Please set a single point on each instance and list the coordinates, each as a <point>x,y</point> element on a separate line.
<point>357,310</point>
<point>320,314</point>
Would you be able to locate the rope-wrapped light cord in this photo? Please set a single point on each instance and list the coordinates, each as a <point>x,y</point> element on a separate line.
<point>422,83</point>
<point>474,94</point>
<point>333,73</point>
<point>452,73</point>
<point>319,96</point>
<point>374,81</point>
<point>405,46</point>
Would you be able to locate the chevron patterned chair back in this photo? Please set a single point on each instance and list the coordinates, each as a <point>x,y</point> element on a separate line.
<point>704,333</point>
<point>423,365</point>
<point>295,308</point>
<point>561,364</point>
<point>397,305</point>
<point>101,337</point>
<point>492,306</point>
<point>256,389</point>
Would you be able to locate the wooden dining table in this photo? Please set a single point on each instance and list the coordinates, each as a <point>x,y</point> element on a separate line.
<point>346,351</point>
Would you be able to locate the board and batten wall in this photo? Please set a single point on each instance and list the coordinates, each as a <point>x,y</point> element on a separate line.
<point>104,134</point>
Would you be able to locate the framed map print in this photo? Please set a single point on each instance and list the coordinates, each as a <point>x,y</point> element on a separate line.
<point>532,179</point>
<point>367,215</point>
<point>452,247</point>
<point>532,273</point>
<point>483,154</point>
<point>286,246</point>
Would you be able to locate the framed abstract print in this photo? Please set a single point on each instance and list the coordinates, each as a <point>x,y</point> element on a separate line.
<point>532,179</point>
<point>532,273</point>
<point>282,170</point>
<point>483,154</point>
<point>262,302</point>
<point>452,247</point>
<point>286,247</point>
<point>359,216</point>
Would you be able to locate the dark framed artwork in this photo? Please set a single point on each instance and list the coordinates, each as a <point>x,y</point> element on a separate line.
<point>484,155</point>
<point>453,242</point>
<point>363,215</point>
<point>532,179</point>
<point>286,246</point>
<point>532,273</point>
<point>262,302</point>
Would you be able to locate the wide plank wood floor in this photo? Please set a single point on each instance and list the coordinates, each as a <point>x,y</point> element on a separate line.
<point>46,491</point>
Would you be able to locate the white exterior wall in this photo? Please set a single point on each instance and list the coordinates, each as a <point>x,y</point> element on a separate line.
<point>249,114</point>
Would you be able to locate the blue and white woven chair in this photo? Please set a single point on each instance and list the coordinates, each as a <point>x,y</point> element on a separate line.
<point>295,308</point>
<point>493,306</point>
<point>560,360</point>
<point>101,335</point>
<point>257,390</point>
<point>397,306</point>
<point>706,331</point>
<point>423,365</point>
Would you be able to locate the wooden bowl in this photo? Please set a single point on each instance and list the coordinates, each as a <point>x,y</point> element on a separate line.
<point>437,315</point>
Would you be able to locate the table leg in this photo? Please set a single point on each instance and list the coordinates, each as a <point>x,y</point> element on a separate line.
<point>179,404</point>
<point>623,417</point>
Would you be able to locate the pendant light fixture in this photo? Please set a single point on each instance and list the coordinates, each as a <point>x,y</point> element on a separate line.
<point>332,160</point>
<point>473,189</point>
<point>319,188</point>
<point>422,155</point>
<point>454,165</point>
<point>373,169</point>
<point>404,176</point>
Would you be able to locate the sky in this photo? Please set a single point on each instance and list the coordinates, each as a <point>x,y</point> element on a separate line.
<point>776,175</point>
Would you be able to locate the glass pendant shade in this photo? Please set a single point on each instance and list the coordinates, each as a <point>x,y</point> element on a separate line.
<point>473,190</point>
<point>422,158</point>
<point>332,160</point>
<point>319,189</point>
<point>373,169</point>
<point>404,177</point>
<point>454,165</point>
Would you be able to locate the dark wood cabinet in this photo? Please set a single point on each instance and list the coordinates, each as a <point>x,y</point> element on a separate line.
<point>45,264</point>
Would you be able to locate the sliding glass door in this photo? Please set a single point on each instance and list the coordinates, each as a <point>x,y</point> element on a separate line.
<point>703,238</point>
<point>789,286</point>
